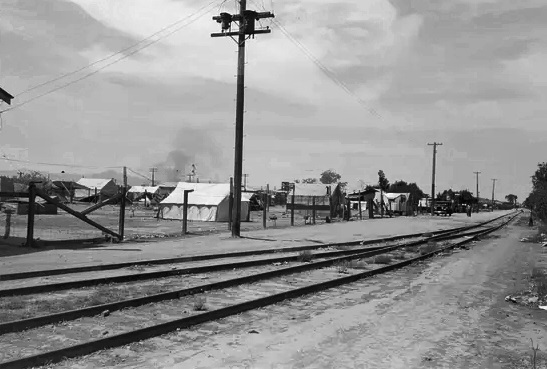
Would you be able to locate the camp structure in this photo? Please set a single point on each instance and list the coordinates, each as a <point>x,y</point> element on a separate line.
<point>95,189</point>
<point>65,190</point>
<point>209,202</point>
<point>307,196</point>
<point>166,188</point>
<point>145,194</point>
<point>398,203</point>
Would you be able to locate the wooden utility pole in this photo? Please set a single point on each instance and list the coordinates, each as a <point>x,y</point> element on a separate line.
<point>231,204</point>
<point>121,221</point>
<point>292,206</point>
<point>493,189</point>
<point>246,23</point>
<point>434,144</point>
<point>153,171</point>
<point>185,212</point>
<point>477,173</point>
<point>31,210</point>
<point>245,181</point>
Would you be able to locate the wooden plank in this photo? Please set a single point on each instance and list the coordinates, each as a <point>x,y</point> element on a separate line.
<point>13,194</point>
<point>76,214</point>
<point>100,205</point>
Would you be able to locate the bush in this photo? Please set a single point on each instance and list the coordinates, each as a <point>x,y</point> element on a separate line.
<point>427,249</point>
<point>199,304</point>
<point>305,256</point>
<point>382,259</point>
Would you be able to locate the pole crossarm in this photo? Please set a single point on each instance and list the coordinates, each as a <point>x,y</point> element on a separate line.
<point>246,23</point>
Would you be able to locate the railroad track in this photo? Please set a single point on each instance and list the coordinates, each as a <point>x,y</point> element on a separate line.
<point>238,254</point>
<point>22,283</point>
<point>271,287</point>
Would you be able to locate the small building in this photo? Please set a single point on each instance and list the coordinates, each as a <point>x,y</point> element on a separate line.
<point>209,202</point>
<point>166,188</point>
<point>398,203</point>
<point>306,196</point>
<point>143,193</point>
<point>95,189</point>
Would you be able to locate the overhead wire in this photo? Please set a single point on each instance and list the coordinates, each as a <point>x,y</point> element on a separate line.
<point>330,74</point>
<point>124,56</point>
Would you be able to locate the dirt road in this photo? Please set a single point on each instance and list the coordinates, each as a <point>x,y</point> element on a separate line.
<point>449,312</point>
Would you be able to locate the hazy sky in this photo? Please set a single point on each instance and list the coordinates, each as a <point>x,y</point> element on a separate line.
<point>468,73</point>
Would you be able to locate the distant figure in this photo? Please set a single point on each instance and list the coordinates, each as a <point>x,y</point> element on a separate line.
<point>531,221</point>
<point>468,210</point>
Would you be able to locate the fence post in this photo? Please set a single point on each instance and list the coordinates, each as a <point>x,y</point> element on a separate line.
<point>8,223</point>
<point>313,209</point>
<point>292,207</point>
<point>185,212</point>
<point>264,210</point>
<point>121,225</point>
<point>231,203</point>
<point>30,221</point>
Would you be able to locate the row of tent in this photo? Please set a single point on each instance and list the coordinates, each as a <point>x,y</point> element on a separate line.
<point>210,202</point>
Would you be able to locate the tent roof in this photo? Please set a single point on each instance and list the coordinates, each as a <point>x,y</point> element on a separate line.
<point>93,183</point>
<point>142,189</point>
<point>169,184</point>
<point>393,196</point>
<point>67,184</point>
<point>306,189</point>
<point>204,193</point>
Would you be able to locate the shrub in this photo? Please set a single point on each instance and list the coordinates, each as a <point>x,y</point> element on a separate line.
<point>382,259</point>
<point>199,304</point>
<point>305,256</point>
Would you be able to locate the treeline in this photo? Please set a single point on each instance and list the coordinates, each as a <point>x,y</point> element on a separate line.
<point>537,200</point>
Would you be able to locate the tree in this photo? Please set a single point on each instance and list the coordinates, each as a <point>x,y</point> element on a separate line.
<point>537,200</point>
<point>383,181</point>
<point>309,180</point>
<point>329,177</point>
<point>402,187</point>
<point>512,199</point>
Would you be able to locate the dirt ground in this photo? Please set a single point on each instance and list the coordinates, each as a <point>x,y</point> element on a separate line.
<point>448,312</point>
<point>19,259</point>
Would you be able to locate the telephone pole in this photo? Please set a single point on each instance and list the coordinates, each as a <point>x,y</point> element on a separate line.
<point>493,188</point>
<point>153,171</point>
<point>245,176</point>
<point>245,21</point>
<point>434,144</point>
<point>477,173</point>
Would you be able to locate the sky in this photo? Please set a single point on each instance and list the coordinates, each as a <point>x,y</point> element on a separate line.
<point>466,73</point>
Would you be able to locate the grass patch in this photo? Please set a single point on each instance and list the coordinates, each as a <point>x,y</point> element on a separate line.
<point>412,249</point>
<point>23,307</point>
<point>305,256</point>
<point>399,256</point>
<point>358,264</point>
<point>540,280</point>
<point>429,248</point>
<point>199,303</point>
<point>382,259</point>
<point>342,266</point>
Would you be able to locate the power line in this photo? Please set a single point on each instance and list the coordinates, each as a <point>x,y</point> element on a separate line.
<point>109,57</point>
<point>330,74</point>
<point>4,157</point>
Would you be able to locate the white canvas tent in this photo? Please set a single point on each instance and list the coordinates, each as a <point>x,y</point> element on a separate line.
<point>104,188</point>
<point>209,202</point>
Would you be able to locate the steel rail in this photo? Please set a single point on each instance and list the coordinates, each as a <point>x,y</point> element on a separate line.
<point>103,267</point>
<point>160,329</point>
<point>20,325</point>
<point>27,290</point>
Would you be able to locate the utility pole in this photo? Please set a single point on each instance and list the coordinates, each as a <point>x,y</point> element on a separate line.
<point>153,170</point>
<point>477,173</point>
<point>245,181</point>
<point>434,144</point>
<point>246,22</point>
<point>493,189</point>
